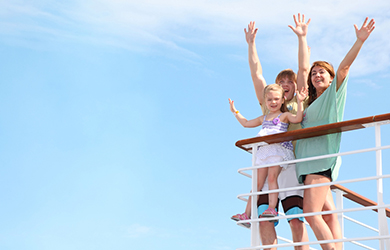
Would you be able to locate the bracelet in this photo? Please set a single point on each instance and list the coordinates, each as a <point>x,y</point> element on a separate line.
<point>236,113</point>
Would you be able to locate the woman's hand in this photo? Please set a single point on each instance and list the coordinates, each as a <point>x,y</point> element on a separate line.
<point>364,32</point>
<point>300,26</point>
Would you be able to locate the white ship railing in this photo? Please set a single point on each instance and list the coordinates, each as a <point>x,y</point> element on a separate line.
<point>341,192</point>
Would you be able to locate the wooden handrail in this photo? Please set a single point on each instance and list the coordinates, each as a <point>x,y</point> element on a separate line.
<point>318,131</point>
<point>355,197</point>
<point>313,131</point>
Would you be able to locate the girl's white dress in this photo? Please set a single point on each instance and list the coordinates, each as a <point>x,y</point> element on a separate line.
<point>275,152</point>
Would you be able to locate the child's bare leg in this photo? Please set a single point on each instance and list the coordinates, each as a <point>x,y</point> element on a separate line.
<point>248,206</point>
<point>273,173</point>
<point>261,176</point>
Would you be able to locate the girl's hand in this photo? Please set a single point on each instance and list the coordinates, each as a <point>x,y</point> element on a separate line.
<point>302,94</point>
<point>232,108</point>
<point>365,30</point>
<point>301,27</point>
<point>250,35</point>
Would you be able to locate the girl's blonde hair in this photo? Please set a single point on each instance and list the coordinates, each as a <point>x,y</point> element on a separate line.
<point>276,87</point>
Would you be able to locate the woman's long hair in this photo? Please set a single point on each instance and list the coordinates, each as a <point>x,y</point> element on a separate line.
<point>312,91</point>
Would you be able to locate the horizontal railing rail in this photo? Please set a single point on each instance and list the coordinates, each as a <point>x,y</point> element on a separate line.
<point>317,242</point>
<point>305,133</point>
<point>357,198</point>
<point>383,210</point>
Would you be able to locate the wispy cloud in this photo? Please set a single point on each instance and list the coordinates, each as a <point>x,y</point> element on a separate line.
<point>175,26</point>
<point>373,85</point>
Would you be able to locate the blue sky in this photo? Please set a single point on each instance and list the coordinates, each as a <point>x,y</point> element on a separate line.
<point>115,124</point>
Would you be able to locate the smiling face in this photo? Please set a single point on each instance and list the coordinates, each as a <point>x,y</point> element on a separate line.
<point>289,87</point>
<point>287,79</point>
<point>274,100</point>
<point>320,78</point>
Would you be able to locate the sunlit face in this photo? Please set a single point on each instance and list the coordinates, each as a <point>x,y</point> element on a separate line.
<point>274,100</point>
<point>320,78</point>
<point>289,87</point>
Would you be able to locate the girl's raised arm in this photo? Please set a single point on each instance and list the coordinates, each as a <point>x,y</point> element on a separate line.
<point>301,96</point>
<point>242,120</point>
<point>361,36</point>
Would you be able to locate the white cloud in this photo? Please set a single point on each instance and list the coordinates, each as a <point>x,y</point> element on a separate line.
<point>373,85</point>
<point>156,26</point>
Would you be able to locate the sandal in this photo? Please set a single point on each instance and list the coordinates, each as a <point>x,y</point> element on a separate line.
<point>242,216</point>
<point>239,217</point>
<point>270,213</point>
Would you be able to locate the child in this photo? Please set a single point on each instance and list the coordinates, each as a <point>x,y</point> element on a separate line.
<point>276,121</point>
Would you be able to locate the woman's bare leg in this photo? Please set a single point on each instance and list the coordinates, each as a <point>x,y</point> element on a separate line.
<point>332,220</point>
<point>314,200</point>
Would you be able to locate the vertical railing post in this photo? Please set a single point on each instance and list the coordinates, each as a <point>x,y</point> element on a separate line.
<point>255,236</point>
<point>340,205</point>
<point>382,220</point>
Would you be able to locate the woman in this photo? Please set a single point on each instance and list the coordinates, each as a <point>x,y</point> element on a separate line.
<point>327,95</point>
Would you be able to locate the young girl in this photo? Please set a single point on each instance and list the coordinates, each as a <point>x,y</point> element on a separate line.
<point>276,121</point>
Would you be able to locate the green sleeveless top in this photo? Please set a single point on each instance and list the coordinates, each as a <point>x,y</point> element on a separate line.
<point>328,108</point>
